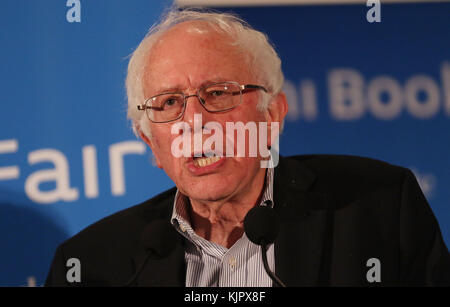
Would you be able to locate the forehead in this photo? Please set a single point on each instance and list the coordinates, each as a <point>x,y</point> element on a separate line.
<point>191,54</point>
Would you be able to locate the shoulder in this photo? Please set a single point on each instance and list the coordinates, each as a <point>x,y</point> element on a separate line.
<point>121,229</point>
<point>348,166</point>
<point>345,178</point>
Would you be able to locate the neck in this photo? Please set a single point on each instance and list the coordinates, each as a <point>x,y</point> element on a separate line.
<point>222,222</point>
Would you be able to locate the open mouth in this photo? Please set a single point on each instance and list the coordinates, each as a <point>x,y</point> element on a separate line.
<point>205,161</point>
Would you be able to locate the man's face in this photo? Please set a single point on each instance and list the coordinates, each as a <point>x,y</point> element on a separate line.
<point>184,59</point>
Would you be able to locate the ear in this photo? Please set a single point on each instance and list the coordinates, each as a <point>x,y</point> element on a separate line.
<point>276,112</point>
<point>152,146</point>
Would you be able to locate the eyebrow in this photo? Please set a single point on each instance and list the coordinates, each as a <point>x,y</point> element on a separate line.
<point>180,89</point>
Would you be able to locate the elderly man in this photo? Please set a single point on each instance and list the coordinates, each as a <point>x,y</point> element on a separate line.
<point>343,220</point>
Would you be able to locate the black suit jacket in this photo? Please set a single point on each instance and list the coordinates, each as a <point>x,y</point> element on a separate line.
<point>337,212</point>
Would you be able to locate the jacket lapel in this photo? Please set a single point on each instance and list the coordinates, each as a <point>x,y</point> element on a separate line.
<point>161,271</point>
<point>303,246</point>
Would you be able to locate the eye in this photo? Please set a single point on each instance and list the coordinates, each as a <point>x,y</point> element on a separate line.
<point>171,102</point>
<point>217,93</point>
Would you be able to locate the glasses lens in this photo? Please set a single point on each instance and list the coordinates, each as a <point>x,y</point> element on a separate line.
<point>221,96</point>
<point>165,107</point>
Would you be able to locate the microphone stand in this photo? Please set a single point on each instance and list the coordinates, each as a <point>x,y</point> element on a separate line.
<point>274,277</point>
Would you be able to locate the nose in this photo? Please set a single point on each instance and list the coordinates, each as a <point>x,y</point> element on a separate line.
<point>194,107</point>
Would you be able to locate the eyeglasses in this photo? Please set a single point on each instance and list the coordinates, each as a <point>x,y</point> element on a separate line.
<point>215,98</point>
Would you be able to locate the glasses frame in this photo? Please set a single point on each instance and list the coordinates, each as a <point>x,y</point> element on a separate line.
<point>242,90</point>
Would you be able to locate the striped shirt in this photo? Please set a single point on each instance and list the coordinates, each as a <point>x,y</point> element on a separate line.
<point>212,265</point>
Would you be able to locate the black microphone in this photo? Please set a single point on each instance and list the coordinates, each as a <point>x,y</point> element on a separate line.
<point>159,238</point>
<point>261,225</point>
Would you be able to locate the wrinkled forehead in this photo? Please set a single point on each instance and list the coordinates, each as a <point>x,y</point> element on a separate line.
<point>195,45</point>
<point>193,37</point>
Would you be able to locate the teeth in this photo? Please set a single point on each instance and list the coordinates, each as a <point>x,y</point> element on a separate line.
<point>202,162</point>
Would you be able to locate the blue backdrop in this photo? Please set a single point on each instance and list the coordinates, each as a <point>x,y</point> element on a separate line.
<point>69,158</point>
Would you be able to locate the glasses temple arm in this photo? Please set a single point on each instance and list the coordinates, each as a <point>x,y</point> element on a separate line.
<point>141,107</point>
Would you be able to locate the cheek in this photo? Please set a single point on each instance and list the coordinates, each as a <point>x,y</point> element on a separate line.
<point>161,143</point>
<point>249,111</point>
<point>163,146</point>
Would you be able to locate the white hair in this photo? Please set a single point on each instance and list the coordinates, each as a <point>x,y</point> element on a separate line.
<point>259,52</point>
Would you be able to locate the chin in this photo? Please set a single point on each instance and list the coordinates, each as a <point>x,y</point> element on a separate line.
<point>214,194</point>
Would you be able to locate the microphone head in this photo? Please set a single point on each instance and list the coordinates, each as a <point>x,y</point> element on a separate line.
<point>159,237</point>
<point>261,225</point>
